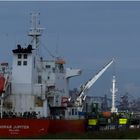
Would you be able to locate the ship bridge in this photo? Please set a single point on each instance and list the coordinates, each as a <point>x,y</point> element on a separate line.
<point>72,72</point>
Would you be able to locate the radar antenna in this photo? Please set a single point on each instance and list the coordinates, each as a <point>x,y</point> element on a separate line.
<point>35,31</point>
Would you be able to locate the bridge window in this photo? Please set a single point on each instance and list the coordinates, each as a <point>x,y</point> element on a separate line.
<point>25,56</point>
<point>72,113</point>
<point>24,63</point>
<point>76,112</point>
<point>39,79</point>
<point>19,63</point>
<point>48,66</point>
<point>19,56</point>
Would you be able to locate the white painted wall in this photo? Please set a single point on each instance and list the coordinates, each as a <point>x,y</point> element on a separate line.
<point>22,103</point>
<point>22,74</point>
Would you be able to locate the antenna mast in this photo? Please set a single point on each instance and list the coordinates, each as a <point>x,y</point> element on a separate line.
<point>35,31</point>
<point>114,90</point>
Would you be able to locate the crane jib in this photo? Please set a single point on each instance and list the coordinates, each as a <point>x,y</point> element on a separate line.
<point>93,80</point>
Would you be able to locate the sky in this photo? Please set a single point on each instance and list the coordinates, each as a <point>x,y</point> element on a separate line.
<point>86,34</point>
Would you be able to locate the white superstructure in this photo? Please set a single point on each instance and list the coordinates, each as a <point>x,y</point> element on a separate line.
<point>38,85</point>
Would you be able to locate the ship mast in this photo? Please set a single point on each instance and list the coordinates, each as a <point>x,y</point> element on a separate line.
<point>114,90</point>
<point>35,31</point>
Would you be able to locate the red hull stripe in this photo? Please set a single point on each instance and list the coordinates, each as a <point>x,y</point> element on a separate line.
<point>61,126</point>
<point>20,128</point>
<point>34,128</point>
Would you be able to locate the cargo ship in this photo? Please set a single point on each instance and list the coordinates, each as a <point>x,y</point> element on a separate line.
<point>34,94</point>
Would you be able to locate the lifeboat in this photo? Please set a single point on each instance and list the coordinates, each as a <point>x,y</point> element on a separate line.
<point>60,61</point>
<point>2,81</point>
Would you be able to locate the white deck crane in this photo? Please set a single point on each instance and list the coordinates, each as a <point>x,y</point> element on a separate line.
<point>89,83</point>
